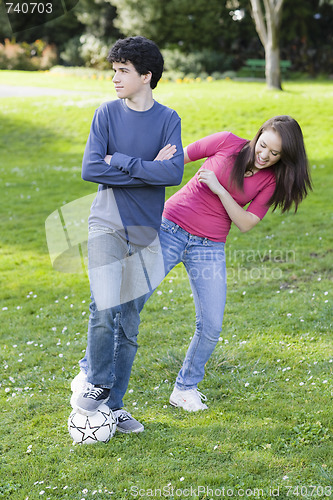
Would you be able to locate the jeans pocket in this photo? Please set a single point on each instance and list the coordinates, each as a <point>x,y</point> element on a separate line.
<point>168,226</point>
<point>95,228</point>
<point>154,249</point>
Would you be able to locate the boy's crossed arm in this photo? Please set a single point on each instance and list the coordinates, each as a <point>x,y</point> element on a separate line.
<point>165,153</point>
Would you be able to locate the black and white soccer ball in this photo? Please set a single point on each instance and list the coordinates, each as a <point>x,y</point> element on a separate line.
<point>88,430</point>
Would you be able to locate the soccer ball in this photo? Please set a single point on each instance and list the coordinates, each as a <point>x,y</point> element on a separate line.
<point>88,430</point>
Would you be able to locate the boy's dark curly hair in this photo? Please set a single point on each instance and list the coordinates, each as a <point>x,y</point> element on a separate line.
<point>142,53</point>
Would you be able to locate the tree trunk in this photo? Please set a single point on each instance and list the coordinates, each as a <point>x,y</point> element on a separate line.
<point>267,23</point>
<point>272,69</point>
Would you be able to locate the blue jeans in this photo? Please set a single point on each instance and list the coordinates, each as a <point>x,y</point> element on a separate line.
<point>112,331</point>
<point>204,261</point>
<point>121,275</point>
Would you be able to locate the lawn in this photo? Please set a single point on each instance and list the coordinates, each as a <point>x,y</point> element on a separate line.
<point>268,430</point>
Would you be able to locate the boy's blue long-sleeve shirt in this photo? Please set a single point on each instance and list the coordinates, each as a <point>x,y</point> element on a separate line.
<point>133,138</point>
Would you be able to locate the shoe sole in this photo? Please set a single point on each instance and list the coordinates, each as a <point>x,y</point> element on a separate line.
<point>130,432</point>
<point>85,412</point>
<point>176,405</point>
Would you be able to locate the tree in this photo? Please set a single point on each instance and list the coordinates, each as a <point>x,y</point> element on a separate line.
<point>267,19</point>
<point>187,24</point>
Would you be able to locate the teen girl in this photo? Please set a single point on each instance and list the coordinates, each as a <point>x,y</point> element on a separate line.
<point>270,170</point>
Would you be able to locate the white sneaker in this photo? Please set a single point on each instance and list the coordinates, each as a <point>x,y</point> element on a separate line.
<point>79,383</point>
<point>190,400</point>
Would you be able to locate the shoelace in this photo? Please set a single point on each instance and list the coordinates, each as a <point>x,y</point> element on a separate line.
<point>201,396</point>
<point>123,416</point>
<point>94,392</point>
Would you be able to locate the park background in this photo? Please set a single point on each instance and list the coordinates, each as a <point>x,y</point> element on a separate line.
<point>269,383</point>
<point>198,38</point>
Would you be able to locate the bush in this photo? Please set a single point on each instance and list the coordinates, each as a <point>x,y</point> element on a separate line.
<point>83,72</point>
<point>94,52</point>
<point>222,76</point>
<point>86,50</point>
<point>195,63</point>
<point>27,57</point>
<point>71,56</point>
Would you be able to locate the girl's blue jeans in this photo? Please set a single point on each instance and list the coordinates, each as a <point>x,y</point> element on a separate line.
<point>204,261</point>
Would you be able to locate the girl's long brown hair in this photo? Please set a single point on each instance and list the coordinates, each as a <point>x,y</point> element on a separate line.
<point>291,171</point>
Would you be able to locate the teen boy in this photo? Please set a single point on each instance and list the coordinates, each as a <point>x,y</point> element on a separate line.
<point>122,156</point>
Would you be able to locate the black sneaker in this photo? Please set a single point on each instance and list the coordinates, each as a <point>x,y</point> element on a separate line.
<point>126,423</point>
<point>88,402</point>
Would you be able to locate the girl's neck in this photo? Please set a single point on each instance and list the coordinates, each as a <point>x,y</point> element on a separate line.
<point>251,171</point>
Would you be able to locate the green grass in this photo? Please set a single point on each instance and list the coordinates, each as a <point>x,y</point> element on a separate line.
<point>269,382</point>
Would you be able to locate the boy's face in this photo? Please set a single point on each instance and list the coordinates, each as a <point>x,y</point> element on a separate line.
<point>127,81</point>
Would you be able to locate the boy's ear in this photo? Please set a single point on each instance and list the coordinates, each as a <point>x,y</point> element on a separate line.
<point>147,77</point>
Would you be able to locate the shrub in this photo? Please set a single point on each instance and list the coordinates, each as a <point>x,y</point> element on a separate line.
<point>195,63</point>
<point>71,56</point>
<point>11,54</point>
<point>217,75</point>
<point>27,57</point>
<point>48,57</point>
<point>94,52</point>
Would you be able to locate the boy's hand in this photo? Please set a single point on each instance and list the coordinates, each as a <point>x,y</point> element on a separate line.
<point>166,153</point>
<point>108,159</point>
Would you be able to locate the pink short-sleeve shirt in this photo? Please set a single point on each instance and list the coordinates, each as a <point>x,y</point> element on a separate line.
<point>197,209</point>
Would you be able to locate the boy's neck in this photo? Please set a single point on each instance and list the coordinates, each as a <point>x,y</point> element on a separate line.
<point>141,102</point>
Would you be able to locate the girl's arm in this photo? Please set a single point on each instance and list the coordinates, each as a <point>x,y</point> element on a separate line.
<point>186,156</point>
<point>204,147</point>
<point>241,218</point>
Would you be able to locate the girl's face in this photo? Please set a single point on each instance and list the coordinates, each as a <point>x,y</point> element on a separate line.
<point>268,149</point>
